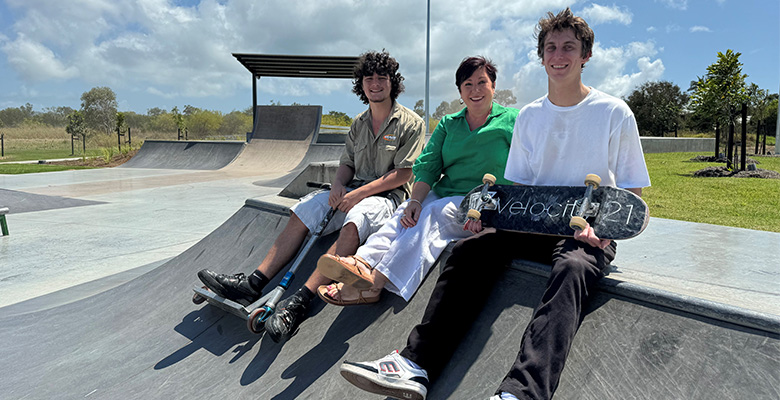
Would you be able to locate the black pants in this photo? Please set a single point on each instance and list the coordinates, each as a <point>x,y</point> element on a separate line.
<point>467,280</point>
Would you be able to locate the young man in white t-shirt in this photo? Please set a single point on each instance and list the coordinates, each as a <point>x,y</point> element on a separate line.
<point>572,131</point>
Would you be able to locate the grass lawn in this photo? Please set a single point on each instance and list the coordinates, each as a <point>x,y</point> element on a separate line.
<point>740,202</point>
<point>34,168</point>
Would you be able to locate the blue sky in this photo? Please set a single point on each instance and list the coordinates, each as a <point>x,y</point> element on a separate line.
<point>162,53</point>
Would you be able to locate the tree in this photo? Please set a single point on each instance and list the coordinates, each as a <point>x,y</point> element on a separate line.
<point>201,123</point>
<point>178,119</point>
<point>235,123</point>
<point>121,125</point>
<point>505,97</point>
<point>77,128</point>
<point>98,107</point>
<point>13,116</point>
<point>657,106</point>
<point>419,108</point>
<point>721,92</point>
<point>54,116</point>
<point>447,108</point>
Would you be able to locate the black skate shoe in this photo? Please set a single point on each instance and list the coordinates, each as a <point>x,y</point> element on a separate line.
<point>232,287</point>
<point>287,317</point>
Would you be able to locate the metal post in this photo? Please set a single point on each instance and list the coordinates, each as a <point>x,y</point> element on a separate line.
<point>743,151</point>
<point>717,139</point>
<point>254,102</point>
<point>2,145</point>
<point>730,148</point>
<point>428,70</point>
<point>118,139</point>
<point>3,223</point>
<point>72,146</point>
<point>129,139</point>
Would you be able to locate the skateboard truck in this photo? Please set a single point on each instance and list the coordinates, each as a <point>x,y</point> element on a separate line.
<point>485,201</point>
<point>258,312</point>
<point>587,207</point>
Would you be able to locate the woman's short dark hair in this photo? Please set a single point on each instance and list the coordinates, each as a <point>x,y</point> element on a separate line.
<point>471,64</point>
<point>372,62</point>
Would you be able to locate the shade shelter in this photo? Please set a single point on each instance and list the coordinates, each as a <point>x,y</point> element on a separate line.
<point>292,66</point>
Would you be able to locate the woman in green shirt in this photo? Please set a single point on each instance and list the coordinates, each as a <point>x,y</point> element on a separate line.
<point>464,146</point>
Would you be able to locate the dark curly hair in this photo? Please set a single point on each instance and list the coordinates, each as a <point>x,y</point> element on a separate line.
<point>564,20</point>
<point>382,64</point>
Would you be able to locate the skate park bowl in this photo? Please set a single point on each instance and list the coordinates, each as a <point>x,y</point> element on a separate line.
<point>681,316</point>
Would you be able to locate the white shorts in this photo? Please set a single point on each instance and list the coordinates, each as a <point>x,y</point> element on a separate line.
<point>368,215</point>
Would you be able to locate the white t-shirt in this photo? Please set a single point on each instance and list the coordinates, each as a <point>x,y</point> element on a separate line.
<point>554,145</point>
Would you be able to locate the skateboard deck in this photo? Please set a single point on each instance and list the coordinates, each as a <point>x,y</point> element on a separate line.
<point>548,210</point>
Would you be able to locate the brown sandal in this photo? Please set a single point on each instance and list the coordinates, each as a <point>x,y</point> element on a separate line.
<point>322,292</point>
<point>338,269</point>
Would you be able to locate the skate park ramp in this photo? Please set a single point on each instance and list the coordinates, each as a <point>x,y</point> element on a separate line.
<point>146,339</point>
<point>172,154</point>
<point>284,142</point>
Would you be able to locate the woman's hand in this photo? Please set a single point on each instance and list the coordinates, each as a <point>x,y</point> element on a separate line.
<point>588,235</point>
<point>411,214</point>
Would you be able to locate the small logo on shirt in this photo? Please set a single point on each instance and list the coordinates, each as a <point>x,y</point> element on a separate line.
<point>389,138</point>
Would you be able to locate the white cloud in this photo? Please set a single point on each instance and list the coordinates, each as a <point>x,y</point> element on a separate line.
<point>618,70</point>
<point>597,14</point>
<point>156,47</point>
<point>698,28</point>
<point>675,4</point>
<point>651,29</point>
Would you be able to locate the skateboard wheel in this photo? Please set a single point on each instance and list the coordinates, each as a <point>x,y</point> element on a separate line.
<point>255,321</point>
<point>578,223</point>
<point>473,214</point>
<point>489,178</point>
<point>593,179</point>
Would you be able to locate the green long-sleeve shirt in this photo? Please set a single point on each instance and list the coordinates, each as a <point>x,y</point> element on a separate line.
<point>455,158</point>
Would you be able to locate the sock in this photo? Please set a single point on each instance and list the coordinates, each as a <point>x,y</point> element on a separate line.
<point>257,280</point>
<point>412,363</point>
<point>507,396</point>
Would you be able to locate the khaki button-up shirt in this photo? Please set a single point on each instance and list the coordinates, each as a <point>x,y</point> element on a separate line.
<point>400,141</point>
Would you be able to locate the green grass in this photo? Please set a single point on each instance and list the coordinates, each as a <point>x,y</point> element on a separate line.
<point>740,202</point>
<point>12,169</point>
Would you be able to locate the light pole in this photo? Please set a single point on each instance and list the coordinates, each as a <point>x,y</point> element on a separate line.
<point>428,69</point>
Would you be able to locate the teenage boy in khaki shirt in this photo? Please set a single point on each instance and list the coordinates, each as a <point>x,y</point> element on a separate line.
<point>372,179</point>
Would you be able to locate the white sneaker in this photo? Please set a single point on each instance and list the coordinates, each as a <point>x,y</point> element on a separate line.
<point>503,396</point>
<point>390,376</point>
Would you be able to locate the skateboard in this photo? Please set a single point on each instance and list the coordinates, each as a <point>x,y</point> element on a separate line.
<point>258,312</point>
<point>613,213</point>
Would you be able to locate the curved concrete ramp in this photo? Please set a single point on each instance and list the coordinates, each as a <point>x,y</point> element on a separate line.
<point>145,339</point>
<point>287,122</point>
<point>170,154</point>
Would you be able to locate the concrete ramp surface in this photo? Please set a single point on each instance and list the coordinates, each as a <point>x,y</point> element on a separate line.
<point>168,154</point>
<point>145,339</point>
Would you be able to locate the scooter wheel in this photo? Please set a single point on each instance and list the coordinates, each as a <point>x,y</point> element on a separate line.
<point>198,299</point>
<point>255,322</point>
